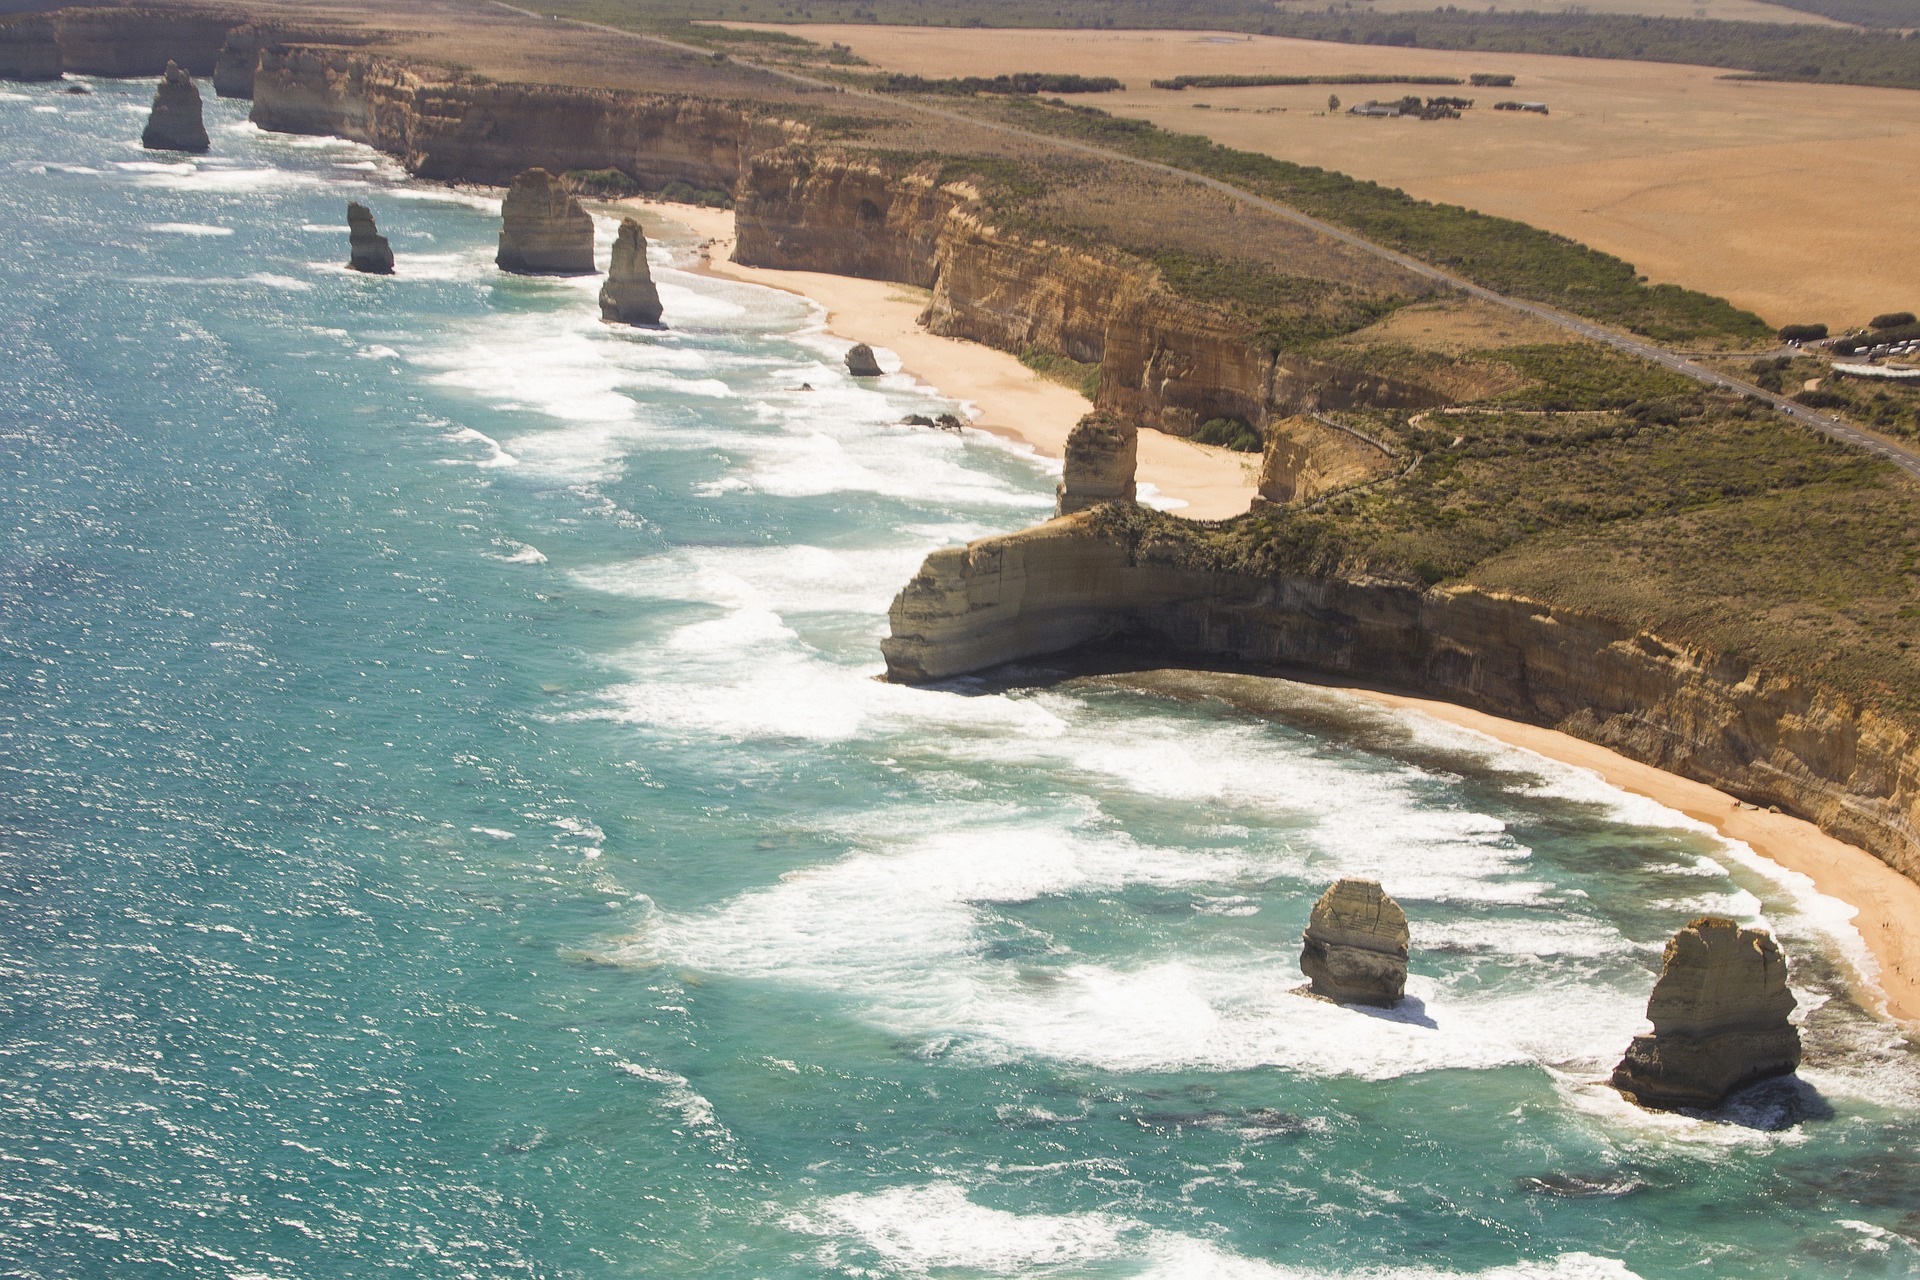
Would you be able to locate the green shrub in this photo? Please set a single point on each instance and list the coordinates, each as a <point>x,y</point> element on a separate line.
<point>1891,320</point>
<point>601,184</point>
<point>1230,433</point>
<point>1802,332</point>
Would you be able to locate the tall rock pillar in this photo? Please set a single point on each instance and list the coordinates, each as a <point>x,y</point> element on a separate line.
<point>1102,453</point>
<point>629,296</point>
<point>1720,1019</point>
<point>176,123</point>
<point>543,229</point>
<point>1355,947</point>
<point>368,250</point>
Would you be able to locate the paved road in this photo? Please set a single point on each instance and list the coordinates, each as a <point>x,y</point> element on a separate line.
<point>1908,460</point>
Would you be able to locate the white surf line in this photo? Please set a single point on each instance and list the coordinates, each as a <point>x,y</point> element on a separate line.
<point>1899,455</point>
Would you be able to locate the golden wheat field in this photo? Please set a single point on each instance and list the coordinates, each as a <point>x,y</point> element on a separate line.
<point>1794,200</point>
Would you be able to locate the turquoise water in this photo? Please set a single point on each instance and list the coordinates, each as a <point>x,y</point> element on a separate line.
<point>448,827</point>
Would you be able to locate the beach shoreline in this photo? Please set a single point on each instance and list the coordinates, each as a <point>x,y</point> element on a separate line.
<point>1886,903</point>
<point>1013,401</point>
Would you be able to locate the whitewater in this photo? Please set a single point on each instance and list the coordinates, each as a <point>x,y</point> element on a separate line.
<point>450,825</point>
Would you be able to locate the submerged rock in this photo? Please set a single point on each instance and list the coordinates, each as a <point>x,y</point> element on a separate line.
<point>628,296</point>
<point>543,229</point>
<point>860,362</point>
<point>1719,1014</point>
<point>1101,456</point>
<point>176,123</point>
<point>369,250</point>
<point>1356,945</point>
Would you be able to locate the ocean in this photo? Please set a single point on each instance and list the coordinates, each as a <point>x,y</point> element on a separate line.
<point>450,826</point>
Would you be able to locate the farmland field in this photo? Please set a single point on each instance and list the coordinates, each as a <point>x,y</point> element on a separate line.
<point>1789,199</point>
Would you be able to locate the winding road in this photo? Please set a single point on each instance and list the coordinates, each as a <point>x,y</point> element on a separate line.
<point>1908,460</point>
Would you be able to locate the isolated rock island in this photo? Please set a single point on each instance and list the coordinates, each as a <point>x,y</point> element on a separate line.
<point>860,362</point>
<point>1719,1014</point>
<point>543,229</point>
<point>1355,948</point>
<point>176,123</point>
<point>368,250</point>
<point>629,295</point>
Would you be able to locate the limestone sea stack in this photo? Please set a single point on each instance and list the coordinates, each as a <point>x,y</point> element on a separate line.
<point>1101,456</point>
<point>860,362</point>
<point>368,250</point>
<point>1719,1014</point>
<point>628,296</point>
<point>1356,945</point>
<point>543,229</point>
<point>176,124</point>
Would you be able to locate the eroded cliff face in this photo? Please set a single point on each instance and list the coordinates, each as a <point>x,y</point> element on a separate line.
<point>29,48</point>
<point>140,42</point>
<point>1768,738</point>
<point>1306,458</point>
<point>1166,362</point>
<point>802,210</point>
<point>442,127</point>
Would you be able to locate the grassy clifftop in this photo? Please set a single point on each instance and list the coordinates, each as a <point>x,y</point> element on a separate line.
<point>1695,515</point>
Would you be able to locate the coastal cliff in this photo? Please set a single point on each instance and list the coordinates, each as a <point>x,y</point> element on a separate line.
<point>1766,737</point>
<point>444,127</point>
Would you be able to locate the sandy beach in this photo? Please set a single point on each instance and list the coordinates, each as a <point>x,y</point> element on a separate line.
<point>1888,903</point>
<point>1013,400</point>
<point>1016,402</point>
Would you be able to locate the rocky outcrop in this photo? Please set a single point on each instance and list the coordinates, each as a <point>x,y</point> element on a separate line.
<point>860,362</point>
<point>141,42</point>
<point>1355,947</point>
<point>176,123</point>
<point>1720,1019</point>
<point>1101,456</point>
<point>1762,735</point>
<point>800,209</point>
<point>1306,458</point>
<point>29,48</point>
<point>629,295</point>
<point>368,249</point>
<point>543,229</point>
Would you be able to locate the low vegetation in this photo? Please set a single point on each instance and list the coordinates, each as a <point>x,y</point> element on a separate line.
<point>1504,255</point>
<point>1774,51</point>
<point>1260,82</point>
<point>1723,526</point>
<point>1230,433</point>
<point>1019,82</point>
<point>1083,377</point>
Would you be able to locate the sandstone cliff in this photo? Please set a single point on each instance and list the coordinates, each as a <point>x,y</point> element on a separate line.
<point>1765,736</point>
<point>1306,458</point>
<point>141,42</point>
<point>441,126</point>
<point>629,295</point>
<point>1720,1019</point>
<point>29,48</point>
<point>175,123</point>
<point>1166,362</point>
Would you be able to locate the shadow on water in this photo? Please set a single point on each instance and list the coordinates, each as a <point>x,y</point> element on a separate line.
<point>1411,1011</point>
